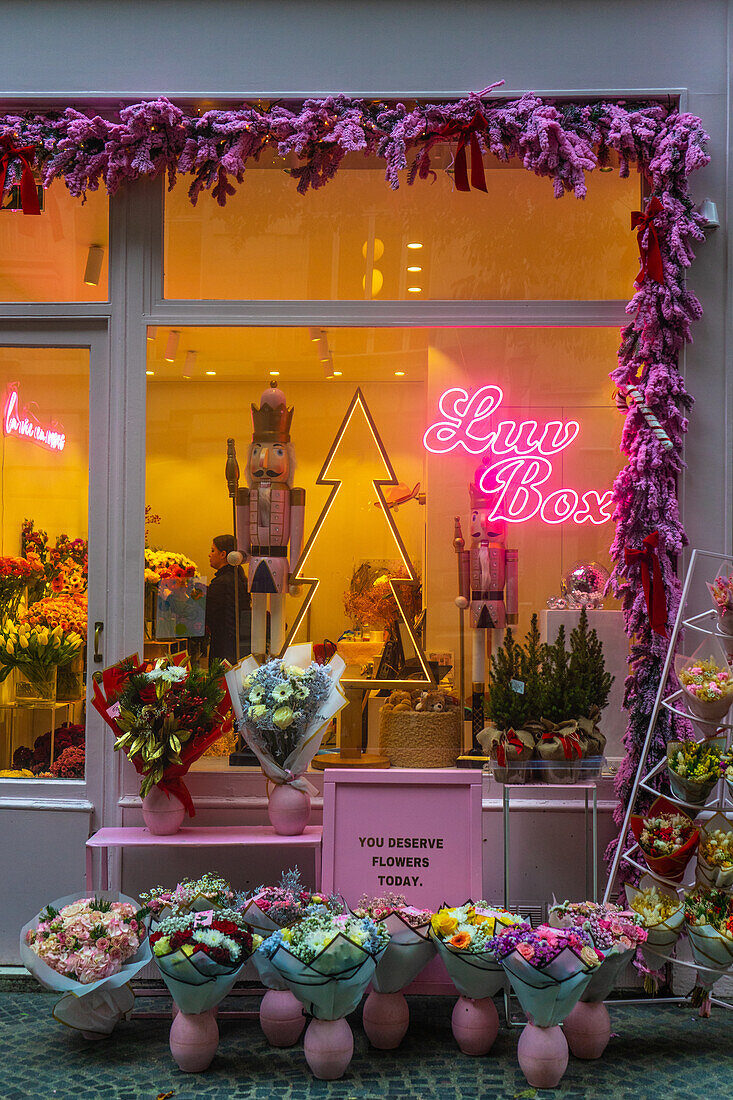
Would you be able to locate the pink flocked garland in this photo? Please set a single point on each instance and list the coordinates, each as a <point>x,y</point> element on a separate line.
<point>561,140</point>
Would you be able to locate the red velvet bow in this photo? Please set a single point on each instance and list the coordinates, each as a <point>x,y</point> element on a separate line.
<point>26,154</point>
<point>651,257</point>
<point>651,579</point>
<point>569,741</point>
<point>508,738</point>
<point>468,135</point>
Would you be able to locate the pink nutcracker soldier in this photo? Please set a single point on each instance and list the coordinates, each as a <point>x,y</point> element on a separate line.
<point>487,583</point>
<point>270,518</point>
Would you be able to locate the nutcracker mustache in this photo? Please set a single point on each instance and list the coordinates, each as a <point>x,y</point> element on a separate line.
<point>266,473</point>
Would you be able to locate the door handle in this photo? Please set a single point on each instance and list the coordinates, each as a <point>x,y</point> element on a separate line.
<point>98,656</point>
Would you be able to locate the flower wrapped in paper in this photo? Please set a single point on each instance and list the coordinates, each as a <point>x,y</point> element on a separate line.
<point>200,955</point>
<point>549,969</point>
<point>210,891</point>
<point>327,959</point>
<point>693,768</point>
<point>410,947</point>
<point>663,915</point>
<point>88,948</point>
<point>721,591</point>
<point>707,684</point>
<point>709,925</point>
<point>667,838</point>
<point>283,706</point>
<point>164,717</point>
<point>464,938</point>
<point>615,933</point>
<point>715,853</point>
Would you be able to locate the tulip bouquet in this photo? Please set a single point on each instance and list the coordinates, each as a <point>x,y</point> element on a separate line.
<point>709,926</point>
<point>662,915</point>
<point>88,948</point>
<point>693,768</point>
<point>667,837</point>
<point>37,653</point>
<point>164,717</point>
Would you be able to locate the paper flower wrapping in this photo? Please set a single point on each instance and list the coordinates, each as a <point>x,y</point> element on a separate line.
<point>667,837</point>
<point>615,933</point>
<point>709,926</point>
<point>464,938</point>
<point>92,1004</point>
<point>693,768</point>
<point>715,853</point>
<point>707,682</point>
<point>210,891</point>
<point>410,947</point>
<point>663,915</point>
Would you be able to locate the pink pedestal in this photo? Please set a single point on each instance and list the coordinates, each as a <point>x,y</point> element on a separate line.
<point>281,1017</point>
<point>543,1056</point>
<point>162,813</point>
<point>194,1041</point>
<point>475,1024</point>
<point>385,1018</point>
<point>329,1048</point>
<point>289,810</point>
<point>588,1029</point>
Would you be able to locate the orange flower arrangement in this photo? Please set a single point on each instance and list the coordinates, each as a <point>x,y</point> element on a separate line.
<point>67,611</point>
<point>460,940</point>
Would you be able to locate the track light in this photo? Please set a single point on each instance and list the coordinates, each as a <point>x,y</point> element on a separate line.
<point>190,362</point>
<point>171,348</point>
<point>93,269</point>
<point>152,332</point>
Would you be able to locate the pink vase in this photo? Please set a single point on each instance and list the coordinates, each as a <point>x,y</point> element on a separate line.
<point>281,1017</point>
<point>329,1048</point>
<point>288,809</point>
<point>162,813</point>
<point>543,1055</point>
<point>385,1019</point>
<point>588,1029</point>
<point>475,1024</point>
<point>194,1041</point>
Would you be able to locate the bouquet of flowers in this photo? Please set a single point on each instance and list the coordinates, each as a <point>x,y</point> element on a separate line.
<point>37,652</point>
<point>709,925</point>
<point>282,708</point>
<point>69,611</point>
<point>58,568</point>
<point>210,891</point>
<point>464,939</point>
<point>715,853</point>
<point>549,968</point>
<point>721,591</point>
<point>164,717</point>
<point>89,948</point>
<point>161,564</point>
<point>200,955</point>
<point>693,768</point>
<point>707,684</point>
<point>327,959</point>
<point>662,914</point>
<point>667,838</point>
<point>615,933</point>
<point>410,947</point>
<point>16,574</point>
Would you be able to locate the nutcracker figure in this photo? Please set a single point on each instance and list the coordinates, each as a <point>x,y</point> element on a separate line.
<point>487,584</point>
<point>270,518</point>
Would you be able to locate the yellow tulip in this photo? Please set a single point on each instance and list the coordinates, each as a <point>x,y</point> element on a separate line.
<point>56,632</point>
<point>23,641</point>
<point>9,648</point>
<point>42,638</point>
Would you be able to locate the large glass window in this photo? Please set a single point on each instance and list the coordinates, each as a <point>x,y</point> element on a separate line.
<point>44,478</point>
<point>357,239</point>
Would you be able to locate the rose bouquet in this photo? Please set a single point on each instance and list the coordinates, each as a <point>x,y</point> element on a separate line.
<point>164,717</point>
<point>15,575</point>
<point>709,926</point>
<point>89,948</point>
<point>721,591</point>
<point>614,932</point>
<point>464,938</point>
<point>707,684</point>
<point>693,768</point>
<point>667,837</point>
<point>662,914</point>
<point>715,853</point>
<point>210,891</point>
<point>282,709</point>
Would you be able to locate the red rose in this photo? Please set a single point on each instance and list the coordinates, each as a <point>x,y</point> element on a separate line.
<point>148,694</point>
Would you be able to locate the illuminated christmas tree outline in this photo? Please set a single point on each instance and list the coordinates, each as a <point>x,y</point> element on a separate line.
<point>358,401</point>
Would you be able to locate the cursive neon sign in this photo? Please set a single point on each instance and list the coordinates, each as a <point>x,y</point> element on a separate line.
<point>26,425</point>
<point>518,462</point>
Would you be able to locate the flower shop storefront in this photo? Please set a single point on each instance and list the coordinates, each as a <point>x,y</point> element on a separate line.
<point>375,348</point>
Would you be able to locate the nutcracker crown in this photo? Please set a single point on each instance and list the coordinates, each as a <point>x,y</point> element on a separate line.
<point>271,422</point>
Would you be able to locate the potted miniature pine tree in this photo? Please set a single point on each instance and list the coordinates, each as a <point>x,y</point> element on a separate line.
<point>590,684</point>
<point>505,739</point>
<point>560,745</point>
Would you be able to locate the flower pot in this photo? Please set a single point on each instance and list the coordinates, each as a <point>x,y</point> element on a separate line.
<point>288,809</point>
<point>194,1041</point>
<point>329,1048</point>
<point>35,684</point>
<point>163,813</point>
<point>281,1017</point>
<point>587,1029</point>
<point>543,1055</point>
<point>386,1018</point>
<point>475,1024</point>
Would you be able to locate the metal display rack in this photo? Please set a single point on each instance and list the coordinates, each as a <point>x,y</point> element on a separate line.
<point>718,800</point>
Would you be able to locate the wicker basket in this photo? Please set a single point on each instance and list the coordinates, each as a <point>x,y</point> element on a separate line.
<point>412,739</point>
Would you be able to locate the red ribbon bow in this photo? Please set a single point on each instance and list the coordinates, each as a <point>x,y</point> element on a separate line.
<point>26,154</point>
<point>649,253</point>
<point>508,738</point>
<point>651,579</point>
<point>569,742</point>
<point>469,136</point>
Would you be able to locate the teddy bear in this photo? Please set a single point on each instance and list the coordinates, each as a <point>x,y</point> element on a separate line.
<point>398,701</point>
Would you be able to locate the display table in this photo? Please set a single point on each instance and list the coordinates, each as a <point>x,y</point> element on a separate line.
<point>244,836</point>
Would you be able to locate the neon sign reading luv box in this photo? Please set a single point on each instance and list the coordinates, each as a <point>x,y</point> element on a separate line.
<point>515,482</point>
<point>26,425</point>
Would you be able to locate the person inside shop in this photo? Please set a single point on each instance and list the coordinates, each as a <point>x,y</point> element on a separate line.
<point>220,604</point>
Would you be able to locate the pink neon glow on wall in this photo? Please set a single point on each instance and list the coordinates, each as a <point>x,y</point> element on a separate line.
<point>523,453</point>
<point>27,426</point>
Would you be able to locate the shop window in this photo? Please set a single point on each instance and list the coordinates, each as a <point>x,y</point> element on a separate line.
<point>355,238</point>
<point>43,567</point>
<point>554,379</point>
<point>59,256</point>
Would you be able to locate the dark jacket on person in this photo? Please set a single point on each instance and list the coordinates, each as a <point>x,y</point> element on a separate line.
<point>220,615</point>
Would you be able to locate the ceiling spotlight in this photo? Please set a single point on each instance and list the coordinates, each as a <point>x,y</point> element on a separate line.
<point>414,290</point>
<point>152,332</point>
<point>211,373</point>
<point>150,373</point>
<point>414,269</point>
<point>328,367</point>
<point>190,362</point>
<point>323,353</point>
<point>94,265</point>
<point>274,374</point>
<point>414,244</point>
<point>399,374</point>
<point>338,373</point>
<point>315,334</point>
<point>171,348</point>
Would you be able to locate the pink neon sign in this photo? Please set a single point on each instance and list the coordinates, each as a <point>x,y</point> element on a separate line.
<point>27,426</point>
<point>515,483</point>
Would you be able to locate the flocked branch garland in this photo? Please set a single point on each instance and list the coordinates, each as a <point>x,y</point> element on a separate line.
<point>563,141</point>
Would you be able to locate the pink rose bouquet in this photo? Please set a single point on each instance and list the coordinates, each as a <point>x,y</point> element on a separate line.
<point>614,932</point>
